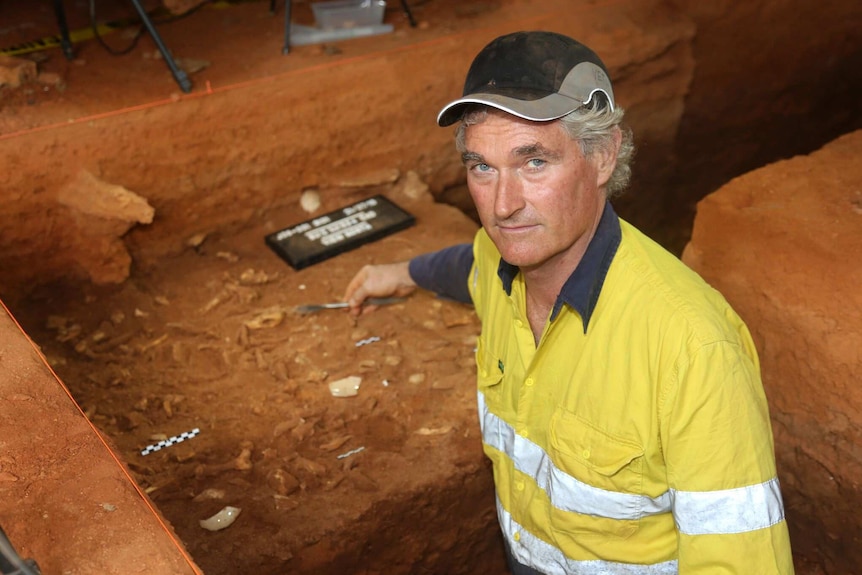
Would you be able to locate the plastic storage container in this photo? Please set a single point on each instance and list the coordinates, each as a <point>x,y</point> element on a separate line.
<point>348,13</point>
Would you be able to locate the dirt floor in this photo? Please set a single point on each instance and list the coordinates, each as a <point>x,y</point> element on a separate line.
<point>212,340</point>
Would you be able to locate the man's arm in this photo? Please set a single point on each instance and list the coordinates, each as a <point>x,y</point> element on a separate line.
<point>444,272</point>
<point>721,468</point>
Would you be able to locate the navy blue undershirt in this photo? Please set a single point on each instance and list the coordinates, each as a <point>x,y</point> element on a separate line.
<point>446,272</point>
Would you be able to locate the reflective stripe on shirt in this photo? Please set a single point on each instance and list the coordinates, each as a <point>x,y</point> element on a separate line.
<point>695,512</point>
<point>729,510</point>
<point>565,492</point>
<point>529,550</point>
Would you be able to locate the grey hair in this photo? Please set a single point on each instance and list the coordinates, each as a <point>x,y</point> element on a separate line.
<point>592,126</point>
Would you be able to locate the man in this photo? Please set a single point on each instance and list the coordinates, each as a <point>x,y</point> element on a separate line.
<point>619,396</point>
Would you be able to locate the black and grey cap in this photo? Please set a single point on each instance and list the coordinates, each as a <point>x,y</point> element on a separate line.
<point>537,76</point>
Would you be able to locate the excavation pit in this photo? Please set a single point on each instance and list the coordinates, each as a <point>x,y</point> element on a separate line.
<point>186,322</point>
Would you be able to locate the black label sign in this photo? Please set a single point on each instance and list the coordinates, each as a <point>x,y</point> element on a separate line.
<point>326,236</point>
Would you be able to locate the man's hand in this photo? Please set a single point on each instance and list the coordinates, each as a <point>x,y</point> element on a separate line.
<point>386,280</point>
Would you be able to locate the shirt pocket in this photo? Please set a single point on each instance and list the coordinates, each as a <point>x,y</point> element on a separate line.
<point>598,459</point>
<point>489,375</point>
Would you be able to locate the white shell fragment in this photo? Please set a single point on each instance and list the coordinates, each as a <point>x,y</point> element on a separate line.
<point>222,519</point>
<point>310,201</point>
<point>347,387</point>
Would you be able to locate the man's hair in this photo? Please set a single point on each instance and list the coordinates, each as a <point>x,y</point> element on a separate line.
<point>592,126</point>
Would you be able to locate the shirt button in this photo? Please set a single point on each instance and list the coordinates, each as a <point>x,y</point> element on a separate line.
<point>529,382</point>
<point>519,323</point>
<point>586,453</point>
<point>519,486</point>
<point>517,536</point>
<point>525,433</point>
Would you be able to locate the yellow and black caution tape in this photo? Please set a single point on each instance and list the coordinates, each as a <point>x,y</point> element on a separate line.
<point>75,36</point>
<point>83,34</point>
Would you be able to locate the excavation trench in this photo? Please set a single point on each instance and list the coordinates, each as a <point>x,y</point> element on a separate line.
<point>189,322</point>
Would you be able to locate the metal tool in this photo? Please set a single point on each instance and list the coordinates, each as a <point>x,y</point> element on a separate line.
<point>311,308</point>
<point>11,563</point>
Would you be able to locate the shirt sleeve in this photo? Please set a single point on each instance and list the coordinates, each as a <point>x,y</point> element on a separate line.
<point>445,272</point>
<point>719,452</point>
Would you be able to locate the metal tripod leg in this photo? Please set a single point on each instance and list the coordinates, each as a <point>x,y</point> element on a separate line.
<point>179,75</point>
<point>409,13</point>
<point>65,41</point>
<point>286,48</point>
<point>287,3</point>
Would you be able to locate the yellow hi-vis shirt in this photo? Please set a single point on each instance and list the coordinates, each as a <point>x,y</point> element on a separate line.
<point>635,438</point>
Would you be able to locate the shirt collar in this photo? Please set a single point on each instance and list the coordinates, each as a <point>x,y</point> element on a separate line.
<point>581,291</point>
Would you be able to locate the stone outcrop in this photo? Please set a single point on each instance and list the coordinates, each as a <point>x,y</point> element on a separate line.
<point>784,245</point>
<point>97,215</point>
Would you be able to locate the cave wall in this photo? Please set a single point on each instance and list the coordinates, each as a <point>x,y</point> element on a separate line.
<point>782,243</point>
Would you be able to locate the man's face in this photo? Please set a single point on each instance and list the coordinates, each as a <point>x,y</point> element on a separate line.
<point>538,196</point>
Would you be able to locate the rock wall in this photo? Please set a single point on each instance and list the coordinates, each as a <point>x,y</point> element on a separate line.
<point>783,244</point>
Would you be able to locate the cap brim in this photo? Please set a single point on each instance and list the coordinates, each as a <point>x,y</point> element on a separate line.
<point>544,109</point>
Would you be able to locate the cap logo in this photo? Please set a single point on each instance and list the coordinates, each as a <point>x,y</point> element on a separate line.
<point>601,78</point>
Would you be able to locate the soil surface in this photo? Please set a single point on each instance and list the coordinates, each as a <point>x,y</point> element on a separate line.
<point>212,340</point>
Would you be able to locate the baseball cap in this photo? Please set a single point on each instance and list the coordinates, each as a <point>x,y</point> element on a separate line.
<point>535,75</point>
